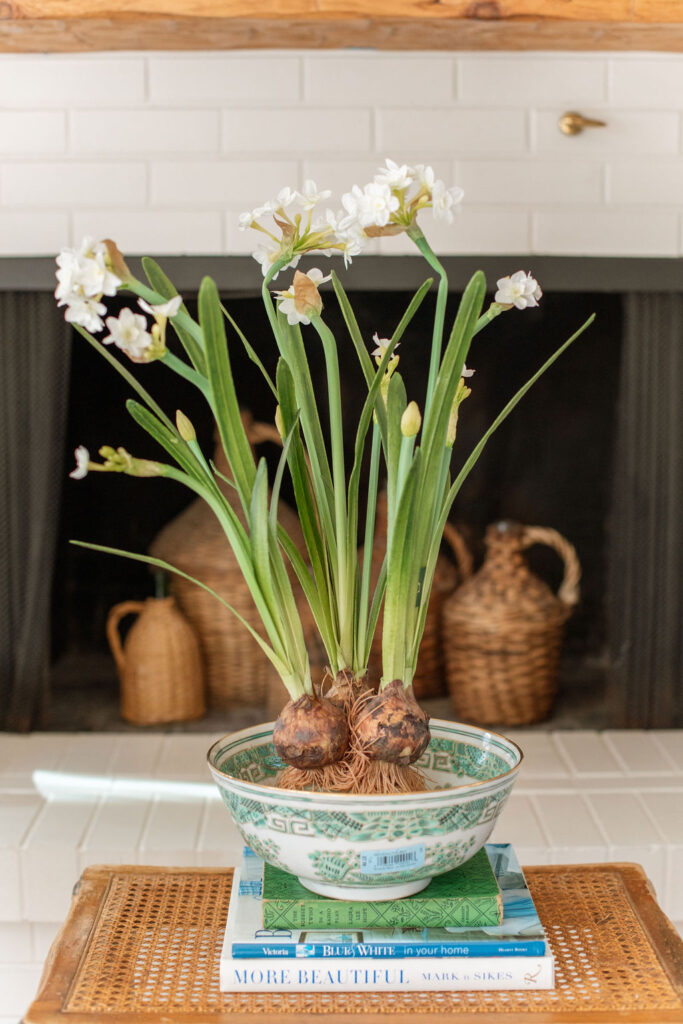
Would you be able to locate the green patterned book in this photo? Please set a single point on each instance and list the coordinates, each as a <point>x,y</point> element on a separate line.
<point>466,897</point>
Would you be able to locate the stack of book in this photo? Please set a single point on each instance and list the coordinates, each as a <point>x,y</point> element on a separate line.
<point>475,927</point>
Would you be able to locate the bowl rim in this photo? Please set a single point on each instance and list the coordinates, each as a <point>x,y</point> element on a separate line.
<point>377,800</point>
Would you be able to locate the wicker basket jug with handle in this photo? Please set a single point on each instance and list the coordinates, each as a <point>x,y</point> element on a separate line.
<point>503,630</point>
<point>159,664</point>
<point>237,671</point>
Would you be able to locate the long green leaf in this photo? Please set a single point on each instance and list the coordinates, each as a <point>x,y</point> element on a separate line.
<point>411,310</point>
<point>295,356</point>
<point>471,461</point>
<point>126,374</point>
<point>505,412</point>
<point>396,404</point>
<point>375,608</point>
<point>316,598</point>
<point>169,440</point>
<point>249,349</point>
<point>304,494</point>
<point>433,441</point>
<point>354,330</point>
<point>162,284</point>
<point>282,669</point>
<point>402,582</point>
<point>366,362</point>
<point>260,551</point>
<point>226,405</point>
<point>372,401</point>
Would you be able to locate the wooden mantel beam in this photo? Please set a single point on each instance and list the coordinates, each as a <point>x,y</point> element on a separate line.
<point>81,25</point>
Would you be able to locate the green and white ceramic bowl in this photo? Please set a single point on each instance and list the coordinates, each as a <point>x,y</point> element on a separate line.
<point>369,847</point>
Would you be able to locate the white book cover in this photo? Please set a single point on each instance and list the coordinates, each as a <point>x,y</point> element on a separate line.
<point>427,974</point>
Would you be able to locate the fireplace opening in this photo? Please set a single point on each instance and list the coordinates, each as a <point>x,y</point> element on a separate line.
<point>550,464</point>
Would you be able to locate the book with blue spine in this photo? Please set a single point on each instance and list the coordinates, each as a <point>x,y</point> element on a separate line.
<point>520,934</point>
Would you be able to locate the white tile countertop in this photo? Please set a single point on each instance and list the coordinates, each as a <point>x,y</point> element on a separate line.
<point>581,796</point>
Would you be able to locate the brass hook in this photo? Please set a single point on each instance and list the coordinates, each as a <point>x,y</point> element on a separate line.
<point>573,123</point>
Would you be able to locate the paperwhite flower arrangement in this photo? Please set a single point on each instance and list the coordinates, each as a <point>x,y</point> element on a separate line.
<point>410,439</point>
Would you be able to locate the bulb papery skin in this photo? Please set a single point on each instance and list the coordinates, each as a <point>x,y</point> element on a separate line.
<point>310,732</point>
<point>392,726</point>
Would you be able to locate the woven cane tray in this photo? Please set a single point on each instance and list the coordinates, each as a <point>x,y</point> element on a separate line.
<point>141,945</point>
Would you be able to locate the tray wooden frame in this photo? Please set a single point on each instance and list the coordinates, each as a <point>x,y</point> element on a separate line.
<point>71,944</point>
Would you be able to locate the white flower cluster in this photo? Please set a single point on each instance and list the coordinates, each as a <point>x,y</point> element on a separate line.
<point>129,331</point>
<point>307,199</point>
<point>394,196</point>
<point>387,205</point>
<point>84,275</point>
<point>292,212</point>
<point>520,290</point>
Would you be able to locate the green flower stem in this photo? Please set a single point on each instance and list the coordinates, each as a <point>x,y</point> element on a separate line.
<point>182,319</point>
<point>405,459</point>
<point>345,585</point>
<point>183,370</point>
<point>267,297</point>
<point>211,479</point>
<point>415,233</point>
<point>442,482</point>
<point>494,310</point>
<point>363,641</point>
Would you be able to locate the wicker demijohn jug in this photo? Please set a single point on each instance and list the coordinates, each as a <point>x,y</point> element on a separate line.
<point>503,630</point>
<point>159,664</point>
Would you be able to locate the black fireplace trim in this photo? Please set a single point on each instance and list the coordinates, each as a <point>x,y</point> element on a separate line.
<point>238,274</point>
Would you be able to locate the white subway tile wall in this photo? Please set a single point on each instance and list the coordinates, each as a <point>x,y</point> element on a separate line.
<point>581,796</point>
<point>162,150</point>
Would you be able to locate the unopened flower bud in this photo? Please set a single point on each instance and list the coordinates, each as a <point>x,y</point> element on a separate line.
<point>116,261</point>
<point>118,460</point>
<point>279,422</point>
<point>411,420</point>
<point>462,392</point>
<point>185,428</point>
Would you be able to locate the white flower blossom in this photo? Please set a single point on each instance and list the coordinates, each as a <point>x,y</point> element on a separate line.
<point>317,277</point>
<point>352,246</point>
<point>299,300</point>
<point>424,176</point>
<point>310,195</point>
<point>85,312</point>
<point>378,205</point>
<point>82,456</point>
<point>246,219</point>
<point>443,201</point>
<point>164,309</point>
<point>266,257</point>
<point>129,332</point>
<point>382,345</point>
<point>370,206</point>
<point>84,275</point>
<point>394,176</point>
<point>285,197</point>
<point>520,290</point>
<point>466,373</point>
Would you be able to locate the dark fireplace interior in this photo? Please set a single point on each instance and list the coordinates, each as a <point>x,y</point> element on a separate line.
<point>551,464</point>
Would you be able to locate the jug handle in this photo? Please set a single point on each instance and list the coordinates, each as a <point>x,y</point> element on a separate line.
<point>115,615</point>
<point>569,588</point>
<point>463,555</point>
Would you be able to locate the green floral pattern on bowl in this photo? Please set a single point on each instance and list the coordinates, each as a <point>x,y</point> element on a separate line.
<point>321,836</point>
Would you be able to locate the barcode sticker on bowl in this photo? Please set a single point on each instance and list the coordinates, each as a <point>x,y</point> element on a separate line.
<point>379,862</point>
